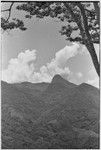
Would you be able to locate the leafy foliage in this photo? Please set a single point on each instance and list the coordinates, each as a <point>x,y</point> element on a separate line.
<point>60,10</point>
<point>16,23</point>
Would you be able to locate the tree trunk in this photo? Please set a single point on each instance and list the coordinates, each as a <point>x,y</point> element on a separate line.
<point>87,38</point>
<point>93,55</point>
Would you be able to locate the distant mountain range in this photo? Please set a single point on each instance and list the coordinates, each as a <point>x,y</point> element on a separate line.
<point>56,115</point>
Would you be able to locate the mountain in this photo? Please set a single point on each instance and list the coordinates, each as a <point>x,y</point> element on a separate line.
<point>52,115</point>
<point>58,84</point>
<point>58,79</point>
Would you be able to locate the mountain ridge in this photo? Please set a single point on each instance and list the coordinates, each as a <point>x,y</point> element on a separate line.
<point>56,79</point>
<point>52,115</point>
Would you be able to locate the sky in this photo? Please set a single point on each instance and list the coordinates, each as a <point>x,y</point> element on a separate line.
<point>40,52</point>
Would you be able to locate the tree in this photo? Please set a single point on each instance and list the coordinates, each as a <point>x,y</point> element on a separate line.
<point>15,23</point>
<point>80,17</point>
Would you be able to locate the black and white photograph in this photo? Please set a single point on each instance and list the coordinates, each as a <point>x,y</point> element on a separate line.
<point>50,74</point>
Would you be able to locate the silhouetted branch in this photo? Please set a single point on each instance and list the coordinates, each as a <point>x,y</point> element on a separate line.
<point>9,10</point>
<point>97,10</point>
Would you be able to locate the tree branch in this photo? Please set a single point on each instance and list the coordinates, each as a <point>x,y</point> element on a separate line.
<point>83,26</point>
<point>97,10</point>
<point>4,10</point>
<point>78,21</point>
<point>84,19</point>
<point>9,10</point>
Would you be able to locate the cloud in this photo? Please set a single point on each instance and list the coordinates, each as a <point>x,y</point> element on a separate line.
<point>94,82</point>
<point>20,68</point>
<point>67,52</point>
<point>93,78</point>
<point>57,65</point>
<point>23,68</point>
<point>79,74</point>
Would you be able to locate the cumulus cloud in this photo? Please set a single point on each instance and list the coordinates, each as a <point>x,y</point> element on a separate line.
<point>57,65</point>
<point>22,68</point>
<point>93,78</point>
<point>79,74</point>
<point>64,54</point>
<point>94,82</point>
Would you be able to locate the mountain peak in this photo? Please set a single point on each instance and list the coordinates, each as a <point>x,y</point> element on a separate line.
<point>57,78</point>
